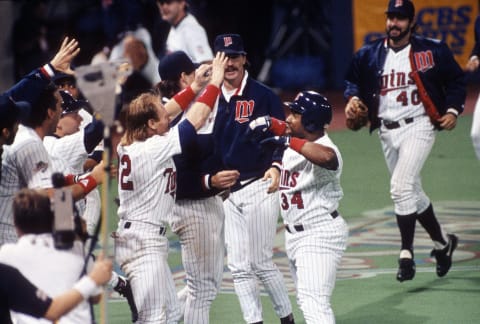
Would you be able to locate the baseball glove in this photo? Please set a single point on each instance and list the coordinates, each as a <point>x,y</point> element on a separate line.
<point>360,117</point>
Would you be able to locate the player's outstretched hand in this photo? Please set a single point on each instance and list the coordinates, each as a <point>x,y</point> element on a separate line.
<point>65,55</point>
<point>280,141</point>
<point>203,74</point>
<point>218,68</point>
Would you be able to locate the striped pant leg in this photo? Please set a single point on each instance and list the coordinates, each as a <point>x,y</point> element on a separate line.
<point>143,258</point>
<point>201,233</point>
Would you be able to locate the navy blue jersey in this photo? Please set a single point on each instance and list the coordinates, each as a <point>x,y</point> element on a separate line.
<point>18,294</point>
<point>195,162</point>
<point>234,148</point>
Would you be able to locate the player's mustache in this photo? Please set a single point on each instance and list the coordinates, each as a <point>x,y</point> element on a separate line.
<point>394,28</point>
<point>231,69</point>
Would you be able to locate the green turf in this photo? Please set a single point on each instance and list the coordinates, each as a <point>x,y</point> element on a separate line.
<point>450,174</point>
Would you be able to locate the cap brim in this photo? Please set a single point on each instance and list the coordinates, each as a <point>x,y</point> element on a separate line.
<point>231,52</point>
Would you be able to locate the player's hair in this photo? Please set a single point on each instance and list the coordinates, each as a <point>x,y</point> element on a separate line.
<point>32,213</point>
<point>167,88</point>
<point>46,100</point>
<point>139,112</point>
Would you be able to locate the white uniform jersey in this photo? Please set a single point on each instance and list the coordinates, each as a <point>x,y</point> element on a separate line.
<point>399,98</point>
<point>70,149</point>
<point>25,163</point>
<point>147,178</point>
<point>189,36</point>
<point>54,271</point>
<point>308,192</point>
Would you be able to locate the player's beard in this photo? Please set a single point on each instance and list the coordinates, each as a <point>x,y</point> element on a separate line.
<point>400,36</point>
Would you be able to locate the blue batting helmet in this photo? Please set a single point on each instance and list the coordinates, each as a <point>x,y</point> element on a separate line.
<point>315,109</point>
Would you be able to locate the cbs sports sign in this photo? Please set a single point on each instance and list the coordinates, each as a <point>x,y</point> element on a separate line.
<point>446,20</point>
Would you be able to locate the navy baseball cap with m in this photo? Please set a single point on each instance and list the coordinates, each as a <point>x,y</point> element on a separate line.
<point>174,64</point>
<point>12,111</point>
<point>230,44</point>
<point>403,8</point>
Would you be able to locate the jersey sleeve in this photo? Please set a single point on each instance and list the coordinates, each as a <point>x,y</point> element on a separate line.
<point>23,296</point>
<point>34,166</point>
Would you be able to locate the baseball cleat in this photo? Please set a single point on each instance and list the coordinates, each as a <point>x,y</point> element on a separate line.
<point>444,256</point>
<point>287,319</point>
<point>124,289</point>
<point>406,269</point>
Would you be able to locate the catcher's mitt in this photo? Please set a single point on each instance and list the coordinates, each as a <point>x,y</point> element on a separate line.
<point>361,115</point>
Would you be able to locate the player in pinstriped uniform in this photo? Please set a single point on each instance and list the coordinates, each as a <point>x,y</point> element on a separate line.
<point>251,210</point>
<point>412,85</point>
<point>197,217</point>
<point>310,191</point>
<point>146,186</point>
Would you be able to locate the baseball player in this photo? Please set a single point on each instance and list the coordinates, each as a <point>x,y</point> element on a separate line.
<point>412,86</point>
<point>472,65</point>
<point>251,210</point>
<point>146,187</point>
<point>310,191</point>
<point>197,217</point>
<point>20,295</point>
<point>185,34</point>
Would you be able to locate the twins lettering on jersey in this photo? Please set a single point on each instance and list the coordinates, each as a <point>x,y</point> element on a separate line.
<point>243,110</point>
<point>171,186</point>
<point>126,184</point>
<point>288,181</point>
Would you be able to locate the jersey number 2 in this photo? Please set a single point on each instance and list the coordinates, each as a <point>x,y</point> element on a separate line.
<point>295,200</point>
<point>126,167</point>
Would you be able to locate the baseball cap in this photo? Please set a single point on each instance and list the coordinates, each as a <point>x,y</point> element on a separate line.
<point>229,43</point>
<point>70,104</point>
<point>12,111</point>
<point>401,7</point>
<point>172,65</point>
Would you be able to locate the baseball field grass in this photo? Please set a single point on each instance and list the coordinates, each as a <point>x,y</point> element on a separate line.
<point>366,290</point>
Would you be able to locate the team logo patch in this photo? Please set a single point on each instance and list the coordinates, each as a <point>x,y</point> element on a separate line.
<point>243,110</point>
<point>424,60</point>
<point>40,166</point>
<point>398,3</point>
<point>227,41</point>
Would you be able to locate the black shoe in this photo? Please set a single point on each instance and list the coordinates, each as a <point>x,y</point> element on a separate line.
<point>406,269</point>
<point>124,289</point>
<point>444,256</point>
<point>287,319</point>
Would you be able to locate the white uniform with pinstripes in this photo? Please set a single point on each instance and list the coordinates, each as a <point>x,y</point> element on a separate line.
<point>308,196</point>
<point>250,226</point>
<point>68,155</point>
<point>405,148</point>
<point>199,223</point>
<point>25,163</point>
<point>146,188</point>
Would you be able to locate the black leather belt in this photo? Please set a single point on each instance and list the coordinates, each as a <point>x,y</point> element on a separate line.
<point>301,228</point>
<point>162,231</point>
<point>396,124</point>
